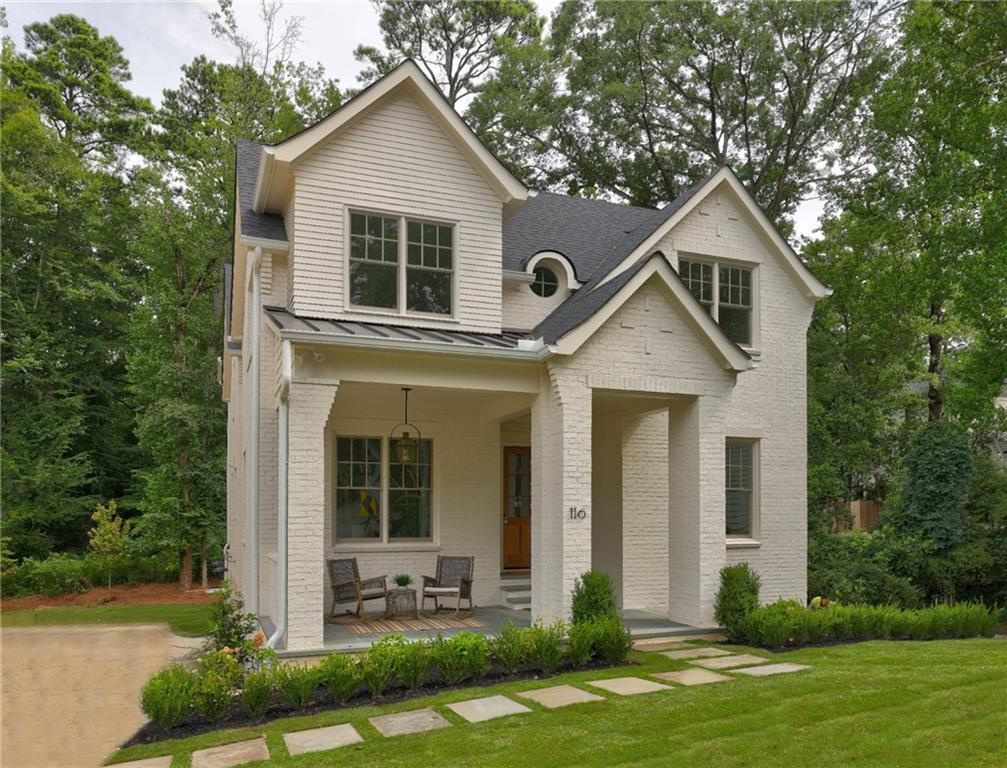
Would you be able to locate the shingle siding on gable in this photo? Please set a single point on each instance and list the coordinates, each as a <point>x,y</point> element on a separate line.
<point>395,159</point>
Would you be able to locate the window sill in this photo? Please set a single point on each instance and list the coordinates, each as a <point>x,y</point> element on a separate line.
<point>755,354</point>
<point>743,543</point>
<point>427,316</point>
<point>405,546</point>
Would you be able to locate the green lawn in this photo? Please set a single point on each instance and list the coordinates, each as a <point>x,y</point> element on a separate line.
<point>869,704</point>
<point>183,619</point>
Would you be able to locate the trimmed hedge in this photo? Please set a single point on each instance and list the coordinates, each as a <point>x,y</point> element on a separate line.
<point>61,574</point>
<point>787,624</point>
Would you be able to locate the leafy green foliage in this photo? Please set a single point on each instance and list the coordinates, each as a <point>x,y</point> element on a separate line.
<point>582,642</point>
<point>61,574</point>
<point>230,625</point>
<point>860,568</point>
<point>612,641</point>
<point>737,597</point>
<point>257,693</point>
<point>412,666</point>
<point>296,683</point>
<point>340,673</point>
<point>465,656</point>
<point>167,697</point>
<point>109,539</point>
<point>593,597</point>
<point>787,623</point>
<point>378,665</point>
<point>510,647</point>
<point>213,695</point>
<point>545,646</point>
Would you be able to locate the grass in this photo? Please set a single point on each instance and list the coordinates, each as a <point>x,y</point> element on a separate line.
<point>868,704</point>
<point>191,620</point>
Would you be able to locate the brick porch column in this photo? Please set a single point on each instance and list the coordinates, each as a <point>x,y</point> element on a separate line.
<point>310,405</point>
<point>561,491</point>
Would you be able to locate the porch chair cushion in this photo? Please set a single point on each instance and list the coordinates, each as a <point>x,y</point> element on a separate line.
<point>454,578</point>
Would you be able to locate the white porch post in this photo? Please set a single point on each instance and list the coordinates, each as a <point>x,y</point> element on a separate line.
<point>561,491</point>
<point>696,537</point>
<point>309,407</point>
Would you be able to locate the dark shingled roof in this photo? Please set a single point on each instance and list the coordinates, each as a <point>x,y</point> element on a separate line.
<point>268,226</point>
<point>582,230</point>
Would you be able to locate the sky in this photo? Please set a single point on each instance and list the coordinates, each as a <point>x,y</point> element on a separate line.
<point>159,37</point>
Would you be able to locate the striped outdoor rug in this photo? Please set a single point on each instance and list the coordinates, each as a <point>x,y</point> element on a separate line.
<point>424,623</point>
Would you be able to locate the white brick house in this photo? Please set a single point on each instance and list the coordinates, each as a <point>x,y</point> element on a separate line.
<point>595,385</point>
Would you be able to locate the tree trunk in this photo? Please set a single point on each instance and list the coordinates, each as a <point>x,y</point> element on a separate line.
<point>935,390</point>
<point>185,570</point>
<point>202,563</point>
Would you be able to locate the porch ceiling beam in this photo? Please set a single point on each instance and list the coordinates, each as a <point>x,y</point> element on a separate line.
<point>504,408</point>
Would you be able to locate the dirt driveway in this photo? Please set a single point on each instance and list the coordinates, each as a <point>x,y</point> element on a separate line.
<point>70,694</point>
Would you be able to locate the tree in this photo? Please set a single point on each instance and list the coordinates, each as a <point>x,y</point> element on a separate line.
<point>109,538</point>
<point>457,43</point>
<point>638,100</point>
<point>67,284</point>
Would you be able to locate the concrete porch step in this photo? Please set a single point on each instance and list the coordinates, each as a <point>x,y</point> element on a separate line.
<point>516,586</point>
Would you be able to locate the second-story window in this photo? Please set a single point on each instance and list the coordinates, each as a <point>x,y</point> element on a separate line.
<point>725,292</point>
<point>407,274</point>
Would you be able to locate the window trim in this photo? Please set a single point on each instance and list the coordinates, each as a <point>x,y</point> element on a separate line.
<point>754,536</point>
<point>401,309</point>
<point>715,262</point>
<point>532,285</point>
<point>383,541</point>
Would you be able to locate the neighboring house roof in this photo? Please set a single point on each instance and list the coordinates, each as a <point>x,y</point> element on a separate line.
<point>265,226</point>
<point>373,334</point>
<point>582,230</point>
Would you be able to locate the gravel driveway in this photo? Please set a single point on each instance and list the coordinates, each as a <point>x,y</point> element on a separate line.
<point>71,694</point>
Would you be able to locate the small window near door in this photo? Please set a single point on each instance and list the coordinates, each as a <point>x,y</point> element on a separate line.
<point>740,488</point>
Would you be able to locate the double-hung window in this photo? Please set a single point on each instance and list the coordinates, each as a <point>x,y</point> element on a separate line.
<point>401,264</point>
<point>380,498</point>
<point>740,488</point>
<point>725,291</point>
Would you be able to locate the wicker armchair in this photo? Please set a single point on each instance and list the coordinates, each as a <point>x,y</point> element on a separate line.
<point>454,579</point>
<point>347,587</point>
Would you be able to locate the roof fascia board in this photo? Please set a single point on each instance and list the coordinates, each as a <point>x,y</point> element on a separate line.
<point>730,355</point>
<point>655,237</point>
<point>813,287</point>
<point>262,179</point>
<point>532,354</point>
<point>279,246</point>
<point>295,148</point>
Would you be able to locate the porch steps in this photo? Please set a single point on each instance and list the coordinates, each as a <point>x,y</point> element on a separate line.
<point>516,590</point>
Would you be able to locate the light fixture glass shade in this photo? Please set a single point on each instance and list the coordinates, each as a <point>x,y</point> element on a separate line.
<point>406,447</point>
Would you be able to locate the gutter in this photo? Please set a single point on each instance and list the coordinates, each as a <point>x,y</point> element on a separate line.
<point>281,497</point>
<point>252,595</point>
<point>528,350</point>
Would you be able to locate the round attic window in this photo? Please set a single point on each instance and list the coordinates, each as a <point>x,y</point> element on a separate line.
<point>546,282</point>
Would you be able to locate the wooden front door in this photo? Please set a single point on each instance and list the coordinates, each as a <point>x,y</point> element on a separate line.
<point>517,508</point>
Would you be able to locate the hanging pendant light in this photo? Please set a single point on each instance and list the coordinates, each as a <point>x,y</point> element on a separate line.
<point>408,442</point>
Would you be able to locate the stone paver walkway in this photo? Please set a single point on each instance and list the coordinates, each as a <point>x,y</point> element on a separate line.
<point>487,708</point>
<point>319,739</point>
<point>692,677</point>
<point>696,653</point>
<point>660,644</point>
<point>772,669</point>
<point>231,754</point>
<point>559,696</point>
<point>629,686</point>
<point>729,662</point>
<point>150,762</point>
<point>401,723</point>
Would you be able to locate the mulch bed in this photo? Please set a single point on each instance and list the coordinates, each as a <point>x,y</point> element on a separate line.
<point>121,594</point>
<point>152,733</point>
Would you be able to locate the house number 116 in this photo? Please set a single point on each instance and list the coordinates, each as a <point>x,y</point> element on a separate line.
<point>577,514</point>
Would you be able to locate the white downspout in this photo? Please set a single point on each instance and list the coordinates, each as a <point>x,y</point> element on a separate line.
<point>252,593</point>
<point>281,500</point>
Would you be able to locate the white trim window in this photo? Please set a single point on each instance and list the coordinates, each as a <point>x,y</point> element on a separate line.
<point>412,274</point>
<point>740,488</point>
<point>726,292</point>
<point>377,497</point>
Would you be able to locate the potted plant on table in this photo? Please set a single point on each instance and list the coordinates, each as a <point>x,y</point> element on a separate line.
<point>402,599</point>
<point>402,580</point>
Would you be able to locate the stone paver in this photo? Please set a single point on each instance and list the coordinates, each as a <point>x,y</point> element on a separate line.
<point>401,723</point>
<point>660,644</point>
<point>629,686</point>
<point>71,694</point>
<point>692,677</point>
<point>559,696</point>
<point>231,754</point>
<point>150,762</point>
<point>773,669</point>
<point>697,653</point>
<point>478,710</point>
<point>318,739</point>
<point>729,662</point>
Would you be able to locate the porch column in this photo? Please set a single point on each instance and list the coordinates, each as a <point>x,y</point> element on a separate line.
<point>696,537</point>
<point>310,405</point>
<point>561,490</point>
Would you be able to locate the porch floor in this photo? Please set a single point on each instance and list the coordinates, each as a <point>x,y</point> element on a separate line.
<point>640,624</point>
